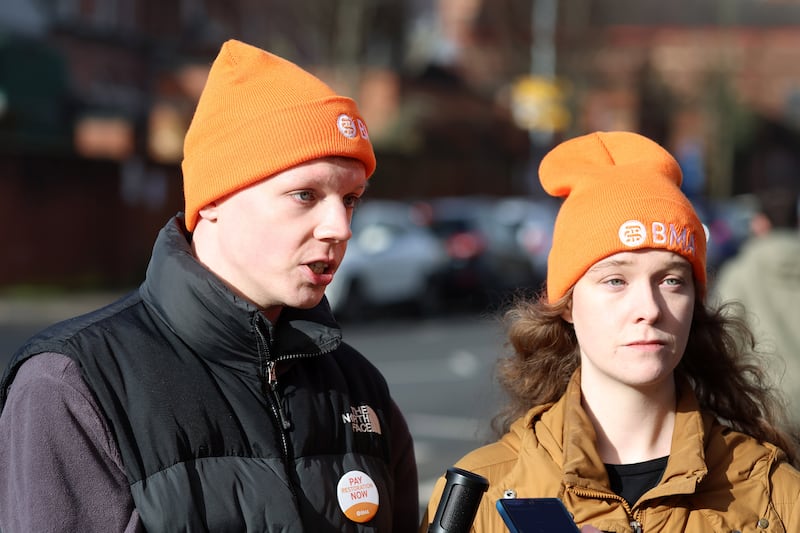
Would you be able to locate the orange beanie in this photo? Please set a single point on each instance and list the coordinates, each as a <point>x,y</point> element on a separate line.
<point>621,193</point>
<point>258,115</point>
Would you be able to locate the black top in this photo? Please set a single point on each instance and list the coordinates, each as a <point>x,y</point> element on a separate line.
<point>632,480</point>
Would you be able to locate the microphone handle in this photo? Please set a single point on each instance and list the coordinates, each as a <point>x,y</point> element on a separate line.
<point>458,506</point>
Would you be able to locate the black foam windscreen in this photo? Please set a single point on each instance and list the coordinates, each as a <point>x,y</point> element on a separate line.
<point>461,497</point>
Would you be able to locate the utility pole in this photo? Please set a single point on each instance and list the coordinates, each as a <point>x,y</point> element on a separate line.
<point>536,98</point>
<point>544,15</point>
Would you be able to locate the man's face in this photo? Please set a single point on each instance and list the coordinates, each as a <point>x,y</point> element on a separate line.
<point>279,242</point>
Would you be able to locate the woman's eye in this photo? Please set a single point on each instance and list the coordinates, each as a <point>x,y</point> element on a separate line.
<point>674,282</point>
<point>614,282</point>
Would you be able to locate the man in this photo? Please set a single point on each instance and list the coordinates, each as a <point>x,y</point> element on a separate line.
<point>765,278</point>
<point>219,396</point>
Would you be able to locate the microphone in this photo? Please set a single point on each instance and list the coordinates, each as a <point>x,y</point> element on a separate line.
<point>460,499</point>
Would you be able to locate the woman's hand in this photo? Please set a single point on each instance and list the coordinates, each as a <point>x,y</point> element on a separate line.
<point>590,529</point>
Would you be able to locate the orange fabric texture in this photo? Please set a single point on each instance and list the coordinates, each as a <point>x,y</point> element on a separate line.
<point>621,193</point>
<point>258,115</point>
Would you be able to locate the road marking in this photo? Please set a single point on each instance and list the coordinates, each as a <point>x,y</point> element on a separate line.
<point>463,363</point>
<point>459,366</point>
<point>446,427</point>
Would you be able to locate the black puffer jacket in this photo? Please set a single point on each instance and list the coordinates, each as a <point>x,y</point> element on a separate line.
<point>226,422</point>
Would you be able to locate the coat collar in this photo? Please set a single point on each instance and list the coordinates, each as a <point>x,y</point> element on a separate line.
<point>198,307</point>
<point>564,432</point>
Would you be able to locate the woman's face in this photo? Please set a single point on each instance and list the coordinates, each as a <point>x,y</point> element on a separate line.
<point>632,313</point>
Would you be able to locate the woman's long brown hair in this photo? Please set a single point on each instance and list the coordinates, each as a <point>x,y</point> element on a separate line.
<point>727,374</point>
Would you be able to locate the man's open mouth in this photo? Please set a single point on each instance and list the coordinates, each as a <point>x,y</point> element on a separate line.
<point>318,267</point>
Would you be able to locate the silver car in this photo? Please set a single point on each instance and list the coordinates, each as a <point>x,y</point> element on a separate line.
<point>392,259</point>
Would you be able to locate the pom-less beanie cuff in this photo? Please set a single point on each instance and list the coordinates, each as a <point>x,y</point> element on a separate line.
<point>259,115</point>
<point>621,193</point>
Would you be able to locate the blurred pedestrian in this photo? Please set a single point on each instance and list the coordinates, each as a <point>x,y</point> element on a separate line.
<point>630,398</point>
<point>219,396</point>
<point>765,278</point>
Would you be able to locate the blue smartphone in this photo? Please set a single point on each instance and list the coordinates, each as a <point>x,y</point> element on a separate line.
<point>536,515</point>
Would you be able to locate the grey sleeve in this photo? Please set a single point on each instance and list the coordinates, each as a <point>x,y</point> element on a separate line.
<point>60,469</point>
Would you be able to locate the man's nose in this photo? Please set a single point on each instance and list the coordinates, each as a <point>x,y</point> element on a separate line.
<point>335,224</point>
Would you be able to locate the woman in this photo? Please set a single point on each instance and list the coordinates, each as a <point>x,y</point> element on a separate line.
<point>630,400</point>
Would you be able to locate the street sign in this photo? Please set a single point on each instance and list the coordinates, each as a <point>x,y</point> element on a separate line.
<point>537,104</point>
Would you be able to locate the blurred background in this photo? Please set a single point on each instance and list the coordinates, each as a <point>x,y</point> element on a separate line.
<point>462,98</point>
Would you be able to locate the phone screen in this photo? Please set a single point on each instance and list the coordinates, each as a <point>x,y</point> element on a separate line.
<point>536,515</point>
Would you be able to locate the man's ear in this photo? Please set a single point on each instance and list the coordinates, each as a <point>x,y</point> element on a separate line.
<point>209,212</point>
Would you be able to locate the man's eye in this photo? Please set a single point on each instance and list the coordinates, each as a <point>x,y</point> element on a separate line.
<point>305,196</point>
<point>352,201</point>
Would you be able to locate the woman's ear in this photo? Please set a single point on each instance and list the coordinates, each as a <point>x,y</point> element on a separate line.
<point>567,313</point>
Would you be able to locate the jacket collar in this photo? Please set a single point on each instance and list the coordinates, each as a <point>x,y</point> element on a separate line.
<point>200,309</point>
<point>564,431</point>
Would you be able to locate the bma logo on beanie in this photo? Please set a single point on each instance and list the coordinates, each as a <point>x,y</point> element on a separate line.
<point>351,128</point>
<point>633,234</point>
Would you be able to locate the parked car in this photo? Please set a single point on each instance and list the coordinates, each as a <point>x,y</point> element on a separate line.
<point>529,222</point>
<point>392,260</point>
<point>485,261</point>
<point>729,227</point>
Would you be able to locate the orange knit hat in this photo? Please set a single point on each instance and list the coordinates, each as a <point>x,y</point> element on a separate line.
<point>621,193</point>
<point>258,115</point>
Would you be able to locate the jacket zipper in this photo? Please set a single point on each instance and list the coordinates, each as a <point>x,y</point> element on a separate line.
<point>277,408</point>
<point>636,526</point>
<point>269,376</point>
<point>269,387</point>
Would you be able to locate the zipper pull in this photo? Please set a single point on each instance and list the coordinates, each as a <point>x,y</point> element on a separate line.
<point>272,375</point>
<point>636,527</point>
<point>272,379</point>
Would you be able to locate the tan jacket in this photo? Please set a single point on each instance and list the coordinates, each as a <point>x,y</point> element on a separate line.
<point>716,479</point>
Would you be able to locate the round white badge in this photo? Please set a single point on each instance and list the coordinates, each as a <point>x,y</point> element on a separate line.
<point>358,496</point>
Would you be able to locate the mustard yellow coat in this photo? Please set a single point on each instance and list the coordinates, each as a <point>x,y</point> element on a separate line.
<point>716,479</point>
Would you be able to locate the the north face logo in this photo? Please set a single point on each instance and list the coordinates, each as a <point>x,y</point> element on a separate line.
<point>363,420</point>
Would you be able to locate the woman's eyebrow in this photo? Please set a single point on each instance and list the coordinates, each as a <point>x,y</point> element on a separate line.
<point>676,263</point>
<point>608,263</point>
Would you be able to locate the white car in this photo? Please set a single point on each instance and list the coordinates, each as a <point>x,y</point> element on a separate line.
<point>392,258</point>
